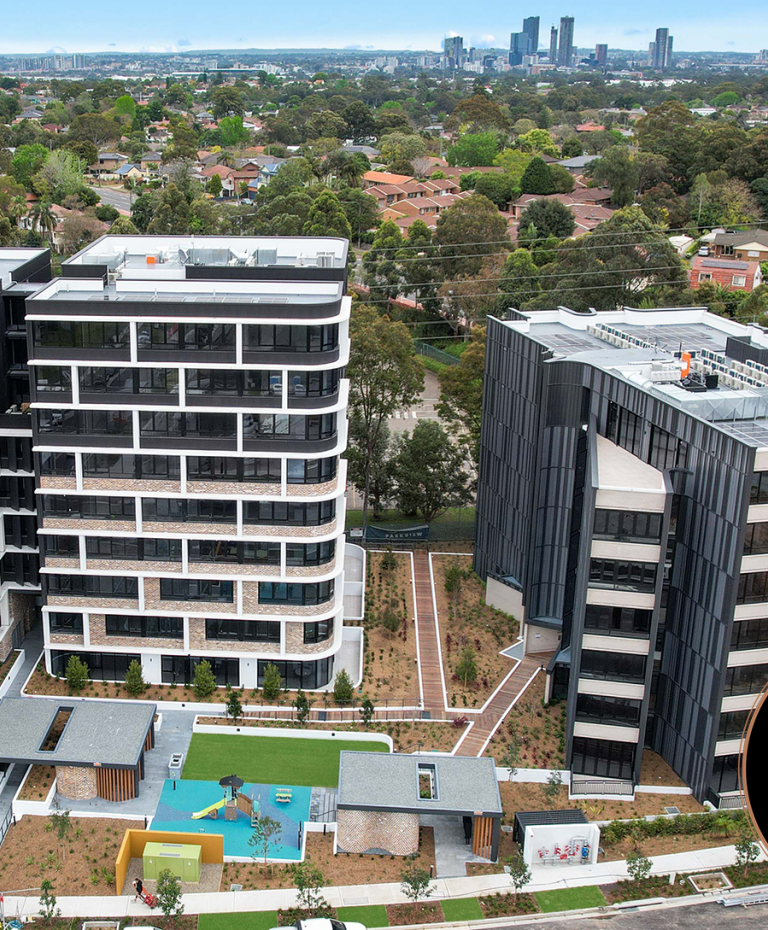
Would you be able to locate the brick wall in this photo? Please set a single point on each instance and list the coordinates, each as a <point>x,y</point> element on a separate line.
<point>386,832</point>
<point>120,565</point>
<point>58,482</point>
<point>84,526</point>
<point>98,632</point>
<point>21,612</point>
<point>152,602</point>
<point>312,490</point>
<point>209,529</point>
<point>233,487</point>
<point>76,783</point>
<point>293,532</point>
<point>295,645</point>
<point>198,641</point>
<point>219,568</point>
<point>130,484</point>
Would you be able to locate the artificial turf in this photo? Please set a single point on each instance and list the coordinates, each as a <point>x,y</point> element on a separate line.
<point>248,920</point>
<point>458,909</point>
<point>569,899</point>
<point>371,915</point>
<point>270,760</point>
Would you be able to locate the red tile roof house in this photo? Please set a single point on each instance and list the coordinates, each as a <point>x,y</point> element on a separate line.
<point>227,175</point>
<point>590,127</point>
<point>594,196</point>
<point>733,275</point>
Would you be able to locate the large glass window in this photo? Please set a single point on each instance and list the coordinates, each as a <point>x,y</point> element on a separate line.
<point>181,669</point>
<point>666,450</point>
<point>263,631</point>
<point>283,426</point>
<point>67,547</point>
<point>313,383</point>
<point>617,666</point>
<point>279,592</point>
<point>86,422</point>
<point>610,710</point>
<point>193,510</point>
<point>753,587</point>
<point>93,586</point>
<point>89,508</point>
<point>264,337</point>
<point>102,666</point>
<point>292,514</point>
<point>756,539</point>
<point>625,428</point>
<point>69,624</point>
<point>732,724</point>
<point>109,465</point>
<point>312,471</point>
<point>133,549</point>
<point>221,468</point>
<point>179,423</point>
<point>725,774</point>
<point>604,758</point>
<point>60,334</point>
<point>225,550</point>
<point>318,632</point>
<point>745,679</point>
<point>146,627</point>
<point>178,589</point>
<point>759,491</point>
<point>307,675</point>
<point>61,464</point>
<point>750,634</point>
<point>627,525</point>
<point>211,336</point>
<point>629,576</point>
<point>129,380</point>
<point>212,381</point>
<point>310,553</point>
<point>622,621</point>
<point>51,379</point>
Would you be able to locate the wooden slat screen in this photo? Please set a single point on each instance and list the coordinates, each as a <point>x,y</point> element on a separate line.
<point>482,837</point>
<point>115,784</point>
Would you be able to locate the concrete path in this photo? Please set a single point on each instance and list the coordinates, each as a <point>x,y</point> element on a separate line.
<point>348,895</point>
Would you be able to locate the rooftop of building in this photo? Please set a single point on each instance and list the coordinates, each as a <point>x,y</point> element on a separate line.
<point>728,379</point>
<point>169,256</point>
<point>13,259</point>
<point>743,237</point>
<point>384,781</point>
<point>110,733</point>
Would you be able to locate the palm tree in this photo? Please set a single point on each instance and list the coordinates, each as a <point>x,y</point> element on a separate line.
<point>18,208</point>
<point>226,158</point>
<point>44,219</point>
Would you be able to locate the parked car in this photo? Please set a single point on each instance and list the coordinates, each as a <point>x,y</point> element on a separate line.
<point>704,250</point>
<point>322,923</point>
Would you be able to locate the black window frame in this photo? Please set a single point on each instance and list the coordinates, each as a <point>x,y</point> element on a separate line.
<point>209,590</point>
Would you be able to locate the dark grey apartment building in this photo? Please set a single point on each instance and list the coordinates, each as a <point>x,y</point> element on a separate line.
<point>22,273</point>
<point>623,516</point>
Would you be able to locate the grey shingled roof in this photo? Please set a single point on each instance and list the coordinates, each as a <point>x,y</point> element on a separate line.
<point>382,781</point>
<point>106,732</point>
<point>743,237</point>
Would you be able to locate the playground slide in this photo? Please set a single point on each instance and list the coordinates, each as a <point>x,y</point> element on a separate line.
<point>207,810</point>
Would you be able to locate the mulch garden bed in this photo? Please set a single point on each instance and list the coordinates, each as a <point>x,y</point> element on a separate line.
<point>538,728</point>
<point>467,621</point>
<point>656,886</point>
<point>757,874</point>
<point>505,904</point>
<point>422,912</point>
<point>184,922</point>
<point>38,783</point>
<point>6,666</point>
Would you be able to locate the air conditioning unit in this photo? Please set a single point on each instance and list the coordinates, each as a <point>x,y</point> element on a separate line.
<point>325,259</point>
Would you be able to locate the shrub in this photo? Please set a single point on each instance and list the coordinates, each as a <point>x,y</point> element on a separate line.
<point>343,689</point>
<point>273,683</point>
<point>76,674</point>
<point>134,679</point>
<point>466,668</point>
<point>168,893</point>
<point>204,681</point>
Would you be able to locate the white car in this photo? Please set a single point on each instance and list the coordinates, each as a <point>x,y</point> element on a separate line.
<point>704,250</point>
<point>323,923</point>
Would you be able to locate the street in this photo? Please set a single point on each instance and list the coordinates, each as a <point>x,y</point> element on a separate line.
<point>691,917</point>
<point>120,200</point>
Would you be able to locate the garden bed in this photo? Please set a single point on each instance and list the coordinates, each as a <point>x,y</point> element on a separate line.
<point>655,771</point>
<point>468,623</point>
<point>710,881</point>
<point>38,782</point>
<point>656,886</point>
<point>391,671</point>
<point>408,915</point>
<point>538,728</point>
<point>756,874</point>
<point>340,869</point>
<point>31,851</point>
<point>6,666</point>
<point>505,904</point>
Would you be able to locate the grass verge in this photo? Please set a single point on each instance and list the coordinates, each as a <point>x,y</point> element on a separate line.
<point>569,899</point>
<point>457,909</point>
<point>371,915</point>
<point>248,920</point>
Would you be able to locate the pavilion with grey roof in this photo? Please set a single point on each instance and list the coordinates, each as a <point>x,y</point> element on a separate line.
<point>96,747</point>
<point>382,796</point>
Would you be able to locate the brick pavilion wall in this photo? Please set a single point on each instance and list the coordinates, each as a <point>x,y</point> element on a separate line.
<point>78,783</point>
<point>389,832</point>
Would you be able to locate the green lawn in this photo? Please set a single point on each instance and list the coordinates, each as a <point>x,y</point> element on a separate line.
<point>372,915</point>
<point>270,760</point>
<point>569,899</point>
<point>249,920</point>
<point>458,909</point>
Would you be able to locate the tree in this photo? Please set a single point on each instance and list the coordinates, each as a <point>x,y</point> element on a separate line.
<point>343,689</point>
<point>273,682</point>
<point>106,213</point>
<point>638,866</point>
<point>76,674</point>
<point>171,213</point>
<point>380,473</point>
<point>232,131</point>
<point>747,850</point>
<point>670,130</point>
<point>542,219</point>
<point>537,140</point>
<point>429,470</point>
<point>27,161</point>
<point>380,267</point>
<point>168,894</point>
<point>536,178</point>
<point>203,681</point>
<point>48,908</point>
<point>367,710</point>
<point>560,179</point>
<point>213,185</point>
<point>234,708</point>
<point>134,679</point>
<point>520,277</point>
<point>122,226</point>
<point>125,106</point>
<point>453,580</point>
<point>552,786</point>
<point>498,188</point>
<point>416,883</point>
<point>519,873</point>
<point>361,210</point>
<point>327,218</point>
<point>514,162</point>
<point>302,706</point>
<point>476,114</point>
<point>474,150</point>
<point>571,148</point>
<point>143,210</point>
<point>511,757</point>
<point>62,827</point>
<point>183,144</point>
<point>616,169</point>
<point>468,231</point>
<point>360,121</point>
<point>60,175</point>
<point>384,375</point>
<point>466,667</point>
<point>461,395</point>
<point>95,128</point>
<point>265,831</point>
<point>226,101</point>
<point>309,880</point>
<point>400,146</point>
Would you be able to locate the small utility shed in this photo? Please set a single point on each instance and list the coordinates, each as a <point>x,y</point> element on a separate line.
<point>381,798</point>
<point>97,747</point>
<point>561,837</point>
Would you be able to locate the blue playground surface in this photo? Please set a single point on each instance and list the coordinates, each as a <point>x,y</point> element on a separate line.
<point>175,809</point>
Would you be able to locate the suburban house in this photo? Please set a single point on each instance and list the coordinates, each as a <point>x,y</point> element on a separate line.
<point>422,206</point>
<point>590,127</point>
<point>594,196</point>
<point>151,162</point>
<point>747,245</point>
<point>733,275</point>
<point>375,178</point>
<point>129,171</point>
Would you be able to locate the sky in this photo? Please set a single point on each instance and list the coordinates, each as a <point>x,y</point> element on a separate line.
<point>73,26</point>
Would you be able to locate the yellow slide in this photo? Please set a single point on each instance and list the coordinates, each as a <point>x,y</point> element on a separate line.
<point>208,810</point>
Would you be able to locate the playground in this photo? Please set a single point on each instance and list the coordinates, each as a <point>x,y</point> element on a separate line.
<point>195,807</point>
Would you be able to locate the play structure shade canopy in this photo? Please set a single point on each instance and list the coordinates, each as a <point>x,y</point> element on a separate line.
<point>101,733</point>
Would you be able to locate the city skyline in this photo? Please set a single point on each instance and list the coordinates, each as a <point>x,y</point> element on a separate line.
<point>483,26</point>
